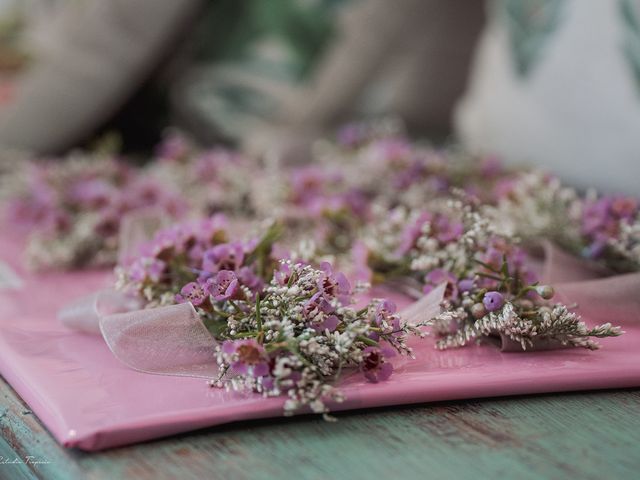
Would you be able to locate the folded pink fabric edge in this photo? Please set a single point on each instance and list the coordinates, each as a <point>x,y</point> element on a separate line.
<point>409,394</point>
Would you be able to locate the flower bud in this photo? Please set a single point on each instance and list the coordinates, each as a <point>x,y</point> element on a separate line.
<point>478,310</point>
<point>493,301</point>
<point>545,291</point>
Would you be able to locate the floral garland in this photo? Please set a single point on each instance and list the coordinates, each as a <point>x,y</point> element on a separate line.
<point>610,231</point>
<point>74,207</point>
<point>490,290</point>
<point>391,171</point>
<point>217,179</point>
<point>284,327</point>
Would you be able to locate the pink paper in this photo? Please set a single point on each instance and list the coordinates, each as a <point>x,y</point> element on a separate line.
<point>89,399</point>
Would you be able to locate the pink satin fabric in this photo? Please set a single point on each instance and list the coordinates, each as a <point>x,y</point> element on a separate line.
<point>88,399</point>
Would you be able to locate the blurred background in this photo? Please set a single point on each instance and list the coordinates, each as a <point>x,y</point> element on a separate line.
<point>555,83</point>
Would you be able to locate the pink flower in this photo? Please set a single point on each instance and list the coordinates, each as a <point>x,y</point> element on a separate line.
<point>384,310</point>
<point>357,202</point>
<point>596,216</point>
<point>504,188</point>
<point>412,233</point>
<point>316,305</point>
<point>249,279</point>
<point>446,230</point>
<point>94,193</point>
<point>246,357</point>
<point>174,147</point>
<point>207,165</point>
<point>195,293</point>
<point>490,166</point>
<point>147,268</point>
<point>374,363</point>
<point>223,286</point>
<point>493,301</point>
<point>384,318</point>
<point>333,285</point>
<point>283,274</point>
<point>307,183</point>
<point>351,135</point>
<point>227,256</point>
<point>396,151</point>
<point>466,285</point>
<point>330,323</point>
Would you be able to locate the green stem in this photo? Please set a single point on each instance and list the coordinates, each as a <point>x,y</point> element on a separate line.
<point>235,306</point>
<point>486,265</point>
<point>221,313</point>
<point>258,315</point>
<point>253,333</point>
<point>367,341</point>
<point>492,277</point>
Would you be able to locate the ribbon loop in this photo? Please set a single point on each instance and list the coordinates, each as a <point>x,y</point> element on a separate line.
<point>168,340</point>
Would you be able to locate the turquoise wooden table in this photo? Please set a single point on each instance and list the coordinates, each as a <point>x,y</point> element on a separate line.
<point>593,435</point>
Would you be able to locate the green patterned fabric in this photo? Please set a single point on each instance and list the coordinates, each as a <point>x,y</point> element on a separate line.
<point>631,35</point>
<point>233,31</point>
<point>530,25</point>
<point>251,49</point>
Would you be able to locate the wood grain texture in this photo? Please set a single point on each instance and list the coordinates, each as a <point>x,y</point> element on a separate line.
<point>590,435</point>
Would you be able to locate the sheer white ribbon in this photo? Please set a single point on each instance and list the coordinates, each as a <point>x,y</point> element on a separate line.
<point>168,340</point>
<point>172,340</point>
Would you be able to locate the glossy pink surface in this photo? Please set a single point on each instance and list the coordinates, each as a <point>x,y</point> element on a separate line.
<point>88,399</point>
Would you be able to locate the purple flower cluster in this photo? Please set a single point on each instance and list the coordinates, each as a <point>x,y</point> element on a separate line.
<point>303,333</point>
<point>186,243</point>
<point>189,239</point>
<point>400,164</point>
<point>197,262</point>
<point>174,147</point>
<point>73,198</point>
<point>497,252</point>
<point>441,227</point>
<point>602,220</point>
<point>319,192</point>
<point>332,290</point>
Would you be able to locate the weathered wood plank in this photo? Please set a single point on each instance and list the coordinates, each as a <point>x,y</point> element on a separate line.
<point>588,436</point>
